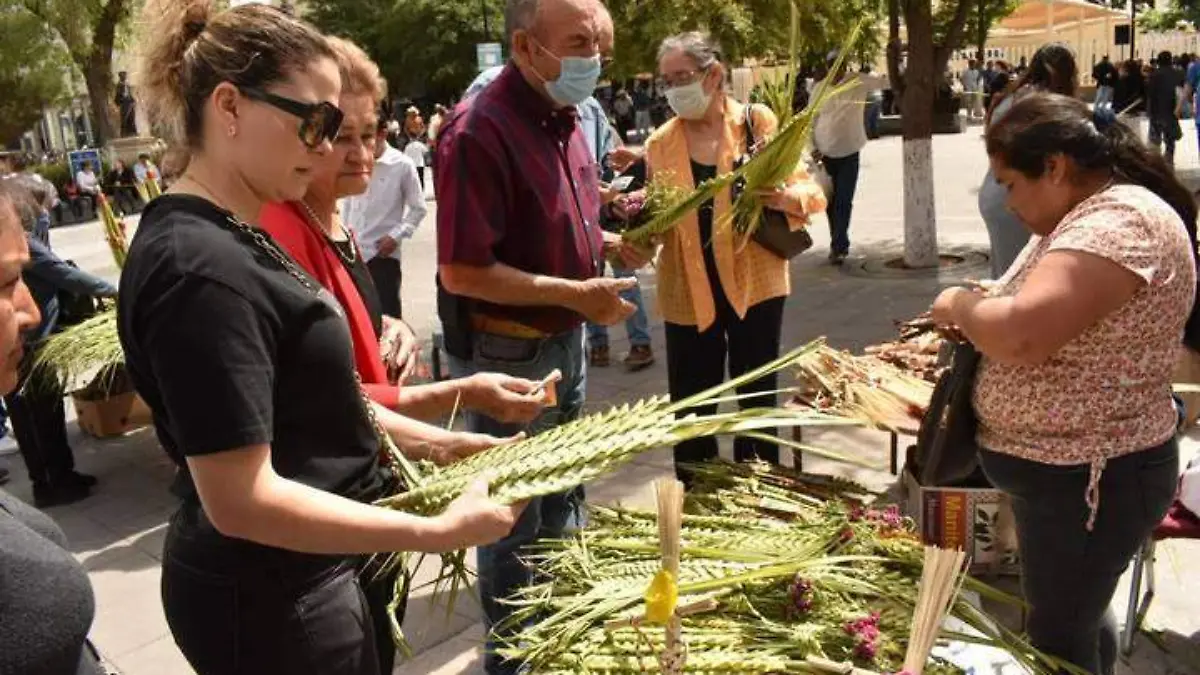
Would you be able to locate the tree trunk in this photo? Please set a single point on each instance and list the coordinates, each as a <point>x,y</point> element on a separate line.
<point>895,78</point>
<point>97,68</point>
<point>981,31</point>
<point>100,89</point>
<point>920,222</point>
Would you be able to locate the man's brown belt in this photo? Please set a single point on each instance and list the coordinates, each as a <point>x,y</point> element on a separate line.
<point>506,328</point>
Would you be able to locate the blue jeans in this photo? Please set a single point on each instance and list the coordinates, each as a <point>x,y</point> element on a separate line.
<point>637,325</point>
<point>1006,233</point>
<point>1104,97</point>
<point>501,573</point>
<point>843,171</point>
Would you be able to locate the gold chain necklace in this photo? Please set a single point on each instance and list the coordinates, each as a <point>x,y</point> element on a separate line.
<point>350,258</point>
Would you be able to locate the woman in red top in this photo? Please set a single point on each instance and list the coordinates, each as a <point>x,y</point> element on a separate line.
<point>313,234</point>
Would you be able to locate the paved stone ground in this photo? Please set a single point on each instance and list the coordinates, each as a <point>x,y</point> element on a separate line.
<point>118,533</point>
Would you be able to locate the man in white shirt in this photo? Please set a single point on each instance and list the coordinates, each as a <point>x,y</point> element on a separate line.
<point>839,136</point>
<point>86,180</point>
<point>144,168</point>
<point>972,82</point>
<point>389,212</point>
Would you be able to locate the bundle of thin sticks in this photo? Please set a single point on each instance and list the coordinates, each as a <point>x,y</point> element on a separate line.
<point>861,387</point>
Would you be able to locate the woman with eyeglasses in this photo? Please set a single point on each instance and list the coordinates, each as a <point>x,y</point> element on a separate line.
<point>722,305</point>
<point>247,363</point>
<point>312,232</point>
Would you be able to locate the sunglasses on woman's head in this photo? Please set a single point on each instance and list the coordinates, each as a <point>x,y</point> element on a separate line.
<point>318,121</point>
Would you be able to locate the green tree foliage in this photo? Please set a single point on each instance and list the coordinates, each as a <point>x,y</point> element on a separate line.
<point>981,16</point>
<point>33,68</point>
<point>427,47</point>
<point>423,47</point>
<point>1169,18</point>
<point>89,30</point>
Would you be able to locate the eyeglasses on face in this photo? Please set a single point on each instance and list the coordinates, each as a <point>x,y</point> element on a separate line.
<point>683,78</point>
<point>318,121</point>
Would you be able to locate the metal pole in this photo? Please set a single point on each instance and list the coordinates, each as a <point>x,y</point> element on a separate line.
<point>1133,29</point>
<point>487,30</point>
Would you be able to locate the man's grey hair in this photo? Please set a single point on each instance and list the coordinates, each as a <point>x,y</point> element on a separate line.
<point>520,15</point>
<point>700,47</point>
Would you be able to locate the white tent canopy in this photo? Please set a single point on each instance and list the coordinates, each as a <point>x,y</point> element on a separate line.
<point>1051,16</point>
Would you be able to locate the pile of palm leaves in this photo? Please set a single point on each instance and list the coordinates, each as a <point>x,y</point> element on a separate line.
<point>583,450</point>
<point>772,164</point>
<point>861,387</point>
<point>822,586</point>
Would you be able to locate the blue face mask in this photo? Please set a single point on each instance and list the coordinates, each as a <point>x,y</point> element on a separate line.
<point>577,78</point>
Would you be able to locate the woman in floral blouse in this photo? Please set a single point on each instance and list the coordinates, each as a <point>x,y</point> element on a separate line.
<point>1079,340</point>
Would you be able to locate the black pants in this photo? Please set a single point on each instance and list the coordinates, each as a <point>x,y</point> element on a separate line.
<point>39,422</point>
<point>126,200</point>
<point>1068,574</point>
<point>696,362</point>
<point>248,624</point>
<point>378,591</point>
<point>385,272</point>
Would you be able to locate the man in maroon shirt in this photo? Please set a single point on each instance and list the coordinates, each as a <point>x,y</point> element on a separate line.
<point>520,249</point>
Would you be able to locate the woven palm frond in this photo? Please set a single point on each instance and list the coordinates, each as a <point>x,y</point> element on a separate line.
<point>588,448</point>
<point>79,353</point>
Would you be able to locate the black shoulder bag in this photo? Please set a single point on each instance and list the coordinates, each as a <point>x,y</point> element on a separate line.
<point>946,452</point>
<point>773,233</point>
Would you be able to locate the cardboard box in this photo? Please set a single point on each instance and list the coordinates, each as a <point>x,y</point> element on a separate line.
<point>113,416</point>
<point>977,520</point>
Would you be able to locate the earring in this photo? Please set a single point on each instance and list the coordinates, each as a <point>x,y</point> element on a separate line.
<point>232,130</point>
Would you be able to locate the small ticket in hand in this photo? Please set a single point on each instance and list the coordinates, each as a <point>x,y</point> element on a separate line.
<point>622,183</point>
<point>547,389</point>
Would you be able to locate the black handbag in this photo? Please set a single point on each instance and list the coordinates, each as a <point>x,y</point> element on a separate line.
<point>773,233</point>
<point>946,452</point>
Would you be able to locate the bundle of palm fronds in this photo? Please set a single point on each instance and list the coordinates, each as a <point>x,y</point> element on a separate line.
<point>114,231</point>
<point>80,354</point>
<point>591,447</point>
<point>770,165</point>
<point>774,162</point>
<point>833,592</point>
<point>861,387</point>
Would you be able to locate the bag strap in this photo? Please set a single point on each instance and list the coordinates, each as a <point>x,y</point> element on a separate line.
<point>748,123</point>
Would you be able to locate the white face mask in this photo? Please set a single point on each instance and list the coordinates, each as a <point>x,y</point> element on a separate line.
<point>689,101</point>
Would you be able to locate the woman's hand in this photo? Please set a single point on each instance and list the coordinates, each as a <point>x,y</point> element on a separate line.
<point>631,256</point>
<point>400,349</point>
<point>506,399</point>
<point>474,519</point>
<point>628,205</point>
<point>623,157</point>
<point>785,199</point>
<point>459,445</point>
<point>945,311</point>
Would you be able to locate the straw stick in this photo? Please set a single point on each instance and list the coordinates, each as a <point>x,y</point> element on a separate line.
<point>941,580</point>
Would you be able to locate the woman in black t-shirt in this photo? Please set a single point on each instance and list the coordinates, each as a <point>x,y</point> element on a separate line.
<point>247,363</point>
